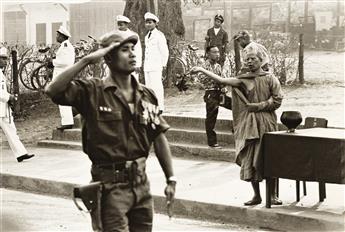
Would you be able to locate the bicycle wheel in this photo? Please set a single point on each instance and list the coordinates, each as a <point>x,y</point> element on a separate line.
<point>178,69</point>
<point>25,70</point>
<point>41,76</point>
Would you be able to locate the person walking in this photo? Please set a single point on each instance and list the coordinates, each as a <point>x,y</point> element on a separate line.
<point>156,57</point>
<point>121,123</point>
<point>123,25</point>
<point>217,36</point>
<point>255,98</point>
<point>250,46</point>
<point>65,57</point>
<point>6,119</point>
<point>213,92</point>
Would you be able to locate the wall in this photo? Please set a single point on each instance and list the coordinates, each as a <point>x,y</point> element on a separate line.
<point>35,13</point>
<point>94,18</point>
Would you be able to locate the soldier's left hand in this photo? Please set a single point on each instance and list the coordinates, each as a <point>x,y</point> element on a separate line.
<point>170,191</point>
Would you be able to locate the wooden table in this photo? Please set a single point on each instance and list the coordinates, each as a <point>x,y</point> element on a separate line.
<point>316,154</point>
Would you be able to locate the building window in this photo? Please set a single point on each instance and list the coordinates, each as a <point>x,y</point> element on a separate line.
<point>15,27</point>
<point>41,34</point>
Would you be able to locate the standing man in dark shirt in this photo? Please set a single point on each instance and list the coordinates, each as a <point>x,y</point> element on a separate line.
<point>217,36</point>
<point>212,96</point>
<point>121,123</point>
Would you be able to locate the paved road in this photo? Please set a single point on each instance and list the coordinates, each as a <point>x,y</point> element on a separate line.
<point>31,212</point>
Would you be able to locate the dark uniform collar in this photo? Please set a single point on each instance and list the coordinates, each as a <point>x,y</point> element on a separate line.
<point>108,82</point>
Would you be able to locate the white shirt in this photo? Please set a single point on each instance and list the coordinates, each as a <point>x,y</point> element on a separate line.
<point>65,57</point>
<point>4,97</point>
<point>156,51</point>
<point>216,30</point>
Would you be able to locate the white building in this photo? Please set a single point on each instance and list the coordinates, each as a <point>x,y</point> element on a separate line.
<point>32,23</point>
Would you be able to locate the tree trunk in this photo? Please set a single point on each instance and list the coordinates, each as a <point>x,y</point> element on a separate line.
<point>170,20</point>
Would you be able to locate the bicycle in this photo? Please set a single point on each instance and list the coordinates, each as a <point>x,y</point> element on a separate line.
<point>183,57</point>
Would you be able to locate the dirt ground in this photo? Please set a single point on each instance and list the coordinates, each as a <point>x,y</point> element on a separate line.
<point>321,96</point>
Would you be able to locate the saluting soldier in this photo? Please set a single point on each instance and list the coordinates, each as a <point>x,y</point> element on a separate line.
<point>65,57</point>
<point>122,24</point>
<point>6,118</point>
<point>156,57</point>
<point>217,36</point>
<point>121,123</point>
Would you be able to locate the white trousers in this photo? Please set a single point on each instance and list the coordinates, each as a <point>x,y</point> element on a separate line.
<point>153,80</point>
<point>10,131</point>
<point>66,115</point>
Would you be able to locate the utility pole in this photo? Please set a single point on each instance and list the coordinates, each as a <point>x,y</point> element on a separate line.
<point>287,24</point>
<point>301,59</point>
<point>306,12</point>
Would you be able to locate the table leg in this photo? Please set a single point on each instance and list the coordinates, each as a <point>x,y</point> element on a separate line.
<point>322,191</point>
<point>268,192</point>
<point>297,191</point>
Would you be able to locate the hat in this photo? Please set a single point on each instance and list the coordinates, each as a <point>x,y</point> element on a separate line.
<point>64,31</point>
<point>3,52</point>
<point>149,15</point>
<point>241,34</point>
<point>219,17</point>
<point>118,36</point>
<point>121,18</point>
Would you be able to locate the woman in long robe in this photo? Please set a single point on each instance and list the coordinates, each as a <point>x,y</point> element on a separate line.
<point>255,97</point>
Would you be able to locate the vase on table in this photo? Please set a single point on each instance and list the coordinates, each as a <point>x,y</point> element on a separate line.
<point>291,119</point>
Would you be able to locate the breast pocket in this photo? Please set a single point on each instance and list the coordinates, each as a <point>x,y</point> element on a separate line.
<point>109,127</point>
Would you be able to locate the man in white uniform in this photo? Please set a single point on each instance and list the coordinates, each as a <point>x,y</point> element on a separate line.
<point>122,25</point>
<point>156,57</point>
<point>6,119</point>
<point>65,57</point>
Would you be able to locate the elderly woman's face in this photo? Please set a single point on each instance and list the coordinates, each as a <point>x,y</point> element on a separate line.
<point>253,62</point>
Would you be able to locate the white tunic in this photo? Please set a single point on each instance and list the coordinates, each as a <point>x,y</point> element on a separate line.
<point>156,51</point>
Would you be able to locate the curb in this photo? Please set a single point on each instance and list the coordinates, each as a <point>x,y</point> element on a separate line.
<point>259,217</point>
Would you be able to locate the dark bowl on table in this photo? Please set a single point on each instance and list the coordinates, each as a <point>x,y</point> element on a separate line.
<point>291,119</point>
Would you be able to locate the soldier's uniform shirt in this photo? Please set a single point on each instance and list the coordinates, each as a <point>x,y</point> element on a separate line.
<point>207,82</point>
<point>220,40</point>
<point>111,133</point>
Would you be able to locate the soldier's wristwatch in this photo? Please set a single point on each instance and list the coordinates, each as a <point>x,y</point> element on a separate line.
<point>172,179</point>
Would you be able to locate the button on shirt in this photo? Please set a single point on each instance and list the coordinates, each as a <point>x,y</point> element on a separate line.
<point>110,131</point>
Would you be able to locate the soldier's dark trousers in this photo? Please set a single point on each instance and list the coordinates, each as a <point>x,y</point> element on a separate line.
<point>126,207</point>
<point>212,99</point>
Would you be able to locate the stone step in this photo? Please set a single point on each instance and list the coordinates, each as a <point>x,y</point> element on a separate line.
<point>174,135</point>
<point>188,151</point>
<point>194,123</point>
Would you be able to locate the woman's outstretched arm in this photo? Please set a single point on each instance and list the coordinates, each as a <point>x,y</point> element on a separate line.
<point>226,81</point>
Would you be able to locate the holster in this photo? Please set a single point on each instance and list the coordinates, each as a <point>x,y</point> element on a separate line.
<point>91,195</point>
